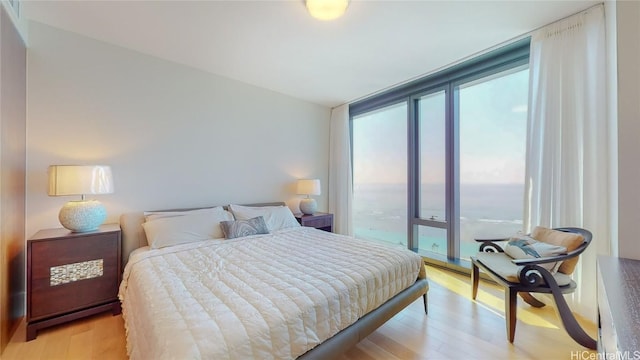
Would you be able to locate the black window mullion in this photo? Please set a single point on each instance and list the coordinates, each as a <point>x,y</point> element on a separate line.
<point>453,173</point>
<point>413,182</point>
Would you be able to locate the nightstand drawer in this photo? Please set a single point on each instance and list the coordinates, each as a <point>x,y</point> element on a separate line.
<point>69,274</point>
<point>319,222</point>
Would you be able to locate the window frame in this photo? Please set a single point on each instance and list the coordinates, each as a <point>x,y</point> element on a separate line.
<point>510,56</point>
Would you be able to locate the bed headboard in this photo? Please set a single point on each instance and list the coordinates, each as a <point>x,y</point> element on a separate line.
<point>133,236</point>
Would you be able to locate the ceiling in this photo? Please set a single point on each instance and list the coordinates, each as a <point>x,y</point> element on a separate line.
<point>278,46</point>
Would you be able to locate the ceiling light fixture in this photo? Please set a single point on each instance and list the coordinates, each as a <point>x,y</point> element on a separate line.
<point>326,9</point>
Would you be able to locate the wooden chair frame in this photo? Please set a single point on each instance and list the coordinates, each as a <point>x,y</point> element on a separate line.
<point>535,279</point>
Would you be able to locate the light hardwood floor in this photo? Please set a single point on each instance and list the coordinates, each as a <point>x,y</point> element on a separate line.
<point>456,328</point>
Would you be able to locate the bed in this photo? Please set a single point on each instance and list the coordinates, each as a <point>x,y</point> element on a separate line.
<point>284,293</point>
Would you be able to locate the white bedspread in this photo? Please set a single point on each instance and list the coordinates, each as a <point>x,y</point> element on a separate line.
<point>270,296</point>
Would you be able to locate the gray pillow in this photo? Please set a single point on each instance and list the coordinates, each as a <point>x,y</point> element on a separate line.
<point>241,228</point>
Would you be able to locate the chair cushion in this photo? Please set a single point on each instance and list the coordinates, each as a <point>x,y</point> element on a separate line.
<point>501,264</point>
<point>555,237</point>
<point>526,247</point>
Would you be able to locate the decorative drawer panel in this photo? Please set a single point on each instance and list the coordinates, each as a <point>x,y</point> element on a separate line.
<point>65,274</point>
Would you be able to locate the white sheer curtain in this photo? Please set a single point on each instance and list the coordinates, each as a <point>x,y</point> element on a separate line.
<point>340,180</point>
<point>568,139</point>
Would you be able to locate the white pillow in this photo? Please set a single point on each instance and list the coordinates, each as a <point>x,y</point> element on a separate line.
<point>276,217</point>
<point>526,247</point>
<point>154,215</point>
<point>186,228</point>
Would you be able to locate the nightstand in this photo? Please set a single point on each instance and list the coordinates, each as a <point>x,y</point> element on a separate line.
<point>71,276</point>
<point>322,221</point>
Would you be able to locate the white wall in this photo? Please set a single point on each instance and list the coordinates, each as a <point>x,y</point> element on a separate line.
<point>174,136</point>
<point>628,48</point>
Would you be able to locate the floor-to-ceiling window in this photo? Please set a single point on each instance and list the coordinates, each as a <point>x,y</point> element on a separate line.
<point>379,145</point>
<point>493,130</point>
<point>431,172</point>
<point>440,161</point>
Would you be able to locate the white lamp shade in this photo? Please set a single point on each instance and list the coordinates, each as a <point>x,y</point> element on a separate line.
<point>326,9</point>
<point>308,187</point>
<point>80,180</point>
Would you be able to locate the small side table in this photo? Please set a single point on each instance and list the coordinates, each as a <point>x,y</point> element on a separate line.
<point>321,221</point>
<point>71,276</point>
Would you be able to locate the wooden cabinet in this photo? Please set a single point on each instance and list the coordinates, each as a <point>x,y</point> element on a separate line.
<point>71,275</point>
<point>618,304</point>
<point>322,221</point>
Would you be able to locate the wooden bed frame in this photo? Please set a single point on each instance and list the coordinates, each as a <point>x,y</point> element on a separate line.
<point>133,237</point>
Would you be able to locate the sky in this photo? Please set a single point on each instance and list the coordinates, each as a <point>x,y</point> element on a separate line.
<point>493,117</point>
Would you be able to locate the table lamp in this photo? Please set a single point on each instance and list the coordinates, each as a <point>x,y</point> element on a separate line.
<point>65,180</point>
<point>308,187</point>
